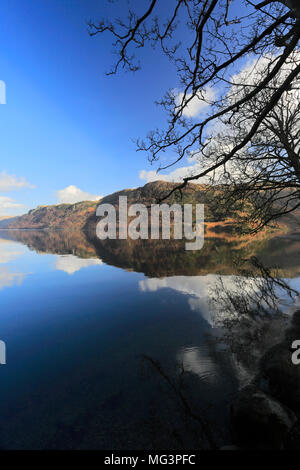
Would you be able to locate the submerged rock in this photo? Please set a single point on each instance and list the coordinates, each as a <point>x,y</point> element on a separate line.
<point>296,320</point>
<point>259,421</point>
<point>293,332</point>
<point>281,376</point>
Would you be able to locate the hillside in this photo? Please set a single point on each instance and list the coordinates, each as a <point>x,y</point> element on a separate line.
<point>82,215</point>
<point>61,216</point>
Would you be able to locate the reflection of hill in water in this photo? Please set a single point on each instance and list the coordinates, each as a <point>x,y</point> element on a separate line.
<point>157,258</point>
<point>53,242</point>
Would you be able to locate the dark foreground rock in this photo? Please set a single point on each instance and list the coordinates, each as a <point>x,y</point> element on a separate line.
<point>293,332</point>
<point>296,320</point>
<point>259,421</point>
<point>281,377</point>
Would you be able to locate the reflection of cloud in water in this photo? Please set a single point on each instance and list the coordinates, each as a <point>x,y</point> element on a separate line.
<point>9,251</point>
<point>70,263</point>
<point>213,357</point>
<point>198,362</point>
<point>200,305</point>
<point>196,287</point>
<point>193,285</point>
<point>9,278</point>
<point>199,289</point>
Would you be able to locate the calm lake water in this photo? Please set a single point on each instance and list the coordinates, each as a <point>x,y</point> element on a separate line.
<point>78,319</point>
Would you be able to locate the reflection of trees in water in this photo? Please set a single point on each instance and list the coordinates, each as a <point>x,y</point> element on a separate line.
<point>157,258</point>
<point>251,320</point>
<point>251,312</point>
<point>248,310</point>
<point>255,289</point>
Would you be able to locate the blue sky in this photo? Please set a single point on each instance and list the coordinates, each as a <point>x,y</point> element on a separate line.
<point>65,122</point>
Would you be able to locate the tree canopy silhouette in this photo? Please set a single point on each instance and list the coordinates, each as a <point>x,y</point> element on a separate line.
<point>238,64</point>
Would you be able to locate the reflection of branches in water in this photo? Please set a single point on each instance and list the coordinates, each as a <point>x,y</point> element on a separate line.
<point>256,290</point>
<point>249,311</point>
<point>251,320</point>
<point>177,388</point>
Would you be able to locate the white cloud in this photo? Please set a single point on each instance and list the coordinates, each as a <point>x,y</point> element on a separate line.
<point>198,103</point>
<point>9,206</point>
<point>223,142</point>
<point>70,263</point>
<point>9,203</point>
<point>72,194</point>
<point>12,183</point>
<point>9,278</point>
<point>175,176</point>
